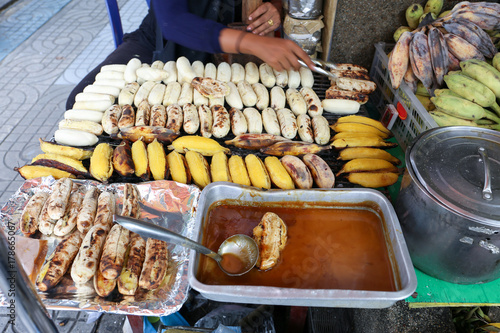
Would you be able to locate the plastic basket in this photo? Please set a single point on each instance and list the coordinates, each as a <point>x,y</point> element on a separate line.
<point>418,119</point>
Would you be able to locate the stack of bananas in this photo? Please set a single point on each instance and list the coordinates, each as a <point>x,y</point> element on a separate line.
<point>57,161</point>
<point>362,141</point>
<point>430,47</point>
<point>188,162</point>
<point>471,96</point>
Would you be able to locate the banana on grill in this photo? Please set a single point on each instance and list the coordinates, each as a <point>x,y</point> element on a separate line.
<point>157,160</point>
<point>219,168</point>
<point>278,174</point>
<point>140,158</point>
<point>101,164</point>
<point>257,172</point>
<point>238,170</point>
<point>178,167</point>
<point>199,168</point>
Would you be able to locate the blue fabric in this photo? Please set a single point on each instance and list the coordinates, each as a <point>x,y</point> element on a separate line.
<point>180,25</point>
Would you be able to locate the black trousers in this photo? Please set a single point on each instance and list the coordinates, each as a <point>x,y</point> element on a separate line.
<point>138,44</point>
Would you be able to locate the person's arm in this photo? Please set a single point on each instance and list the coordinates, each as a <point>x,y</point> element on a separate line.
<point>278,53</point>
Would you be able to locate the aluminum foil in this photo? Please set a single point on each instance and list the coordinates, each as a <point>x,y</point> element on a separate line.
<point>305,9</point>
<point>166,203</point>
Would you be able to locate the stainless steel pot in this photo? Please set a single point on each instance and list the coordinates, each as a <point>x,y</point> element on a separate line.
<point>449,204</point>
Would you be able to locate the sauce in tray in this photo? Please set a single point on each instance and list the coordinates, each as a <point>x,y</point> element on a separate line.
<point>327,247</point>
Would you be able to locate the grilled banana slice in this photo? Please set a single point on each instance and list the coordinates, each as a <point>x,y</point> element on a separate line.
<point>239,123</point>
<point>322,174</point>
<point>288,123</point>
<point>254,120</point>
<point>271,236</point>
<point>238,170</point>
<point>219,168</point>
<point>299,172</point>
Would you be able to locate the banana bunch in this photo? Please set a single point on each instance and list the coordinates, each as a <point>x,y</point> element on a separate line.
<point>361,141</point>
<point>58,161</point>
<point>434,44</point>
<point>471,97</point>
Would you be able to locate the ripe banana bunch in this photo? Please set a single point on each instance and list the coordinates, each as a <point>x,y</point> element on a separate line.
<point>471,97</point>
<point>430,47</point>
<point>362,141</point>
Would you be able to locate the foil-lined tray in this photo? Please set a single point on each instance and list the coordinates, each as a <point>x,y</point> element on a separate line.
<point>166,203</point>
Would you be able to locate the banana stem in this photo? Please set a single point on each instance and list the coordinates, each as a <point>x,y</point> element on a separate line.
<point>492,116</point>
<point>495,107</point>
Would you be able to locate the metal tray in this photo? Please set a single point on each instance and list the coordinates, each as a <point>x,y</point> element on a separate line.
<point>400,259</point>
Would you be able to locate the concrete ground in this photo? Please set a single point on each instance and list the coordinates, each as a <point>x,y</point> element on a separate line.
<point>46,47</point>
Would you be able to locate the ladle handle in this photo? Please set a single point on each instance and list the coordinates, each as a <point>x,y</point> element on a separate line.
<point>150,230</point>
<point>487,194</point>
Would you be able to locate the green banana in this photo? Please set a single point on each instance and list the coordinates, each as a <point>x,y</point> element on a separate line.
<point>413,14</point>
<point>433,6</point>
<point>470,89</point>
<point>496,61</point>
<point>462,108</point>
<point>399,31</point>
<point>421,90</point>
<point>484,73</point>
<point>444,119</point>
<point>444,14</point>
<point>447,92</point>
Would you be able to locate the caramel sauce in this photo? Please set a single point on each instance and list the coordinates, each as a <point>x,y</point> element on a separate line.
<point>327,248</point>
<point>233,264</point>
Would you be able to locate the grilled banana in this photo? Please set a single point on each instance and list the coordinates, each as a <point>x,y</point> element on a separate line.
<point>157,160</point>
<point>238,122</point>
<point>298,171</point>
<point>254,120</point>
<point>362,142</point>
<point>175,118</point>
<point>293,148</point>
<point>191,118</point>
<point>314,107</point>
<point>206,120</point>
<point>278,98</point>
<point>361,152</point>
<point>373,179</point>
<point>254,141</point>
<point>367,164</point>
<point>238,170</point>
<point>262,96</point>
<point>200,144</point>
<point>420,59</point>
<point>305,130</point>
<point>199,168</point>
<point>179,170</point>
<point>321,130</point>
<point>288,123</point>
<point>158,116</point>
<point>122,159</point>
<point>278,174</point>
<point>270,121</point>
<point>101,164</point>
<point>322,174</point>
<point>29,217</point>
<point>140,158</point>
<point>296,101</point>
<point>257,172</point>
<point>399,59</point>
<point>219,168</point>
<point>222,122</point>
<point>364,120</point>
<point>148,134</point>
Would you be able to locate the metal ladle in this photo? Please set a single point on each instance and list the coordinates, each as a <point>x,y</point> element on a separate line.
<point>236,256</point>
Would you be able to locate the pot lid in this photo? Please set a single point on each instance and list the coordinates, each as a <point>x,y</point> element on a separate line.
<point>448,163</point>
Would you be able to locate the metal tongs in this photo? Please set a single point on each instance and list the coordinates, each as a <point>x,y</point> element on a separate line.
<point>321,67</point>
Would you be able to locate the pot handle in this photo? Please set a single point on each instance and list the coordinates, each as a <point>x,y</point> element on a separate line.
<point>487,194</point>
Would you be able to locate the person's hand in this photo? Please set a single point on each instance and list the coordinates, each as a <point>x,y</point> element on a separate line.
<point>281,54</point>
<point>265,19</point>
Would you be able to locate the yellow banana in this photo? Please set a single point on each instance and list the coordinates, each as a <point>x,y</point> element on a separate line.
<point>179,170</point>
<point>362,142</point>
<point>257,172</point>
<point>157,160</point>
<point>367,164</point>
<point>219,168</point>
<point>364,120</point>
<point>198,166</point>
<point>278,174</point>
<point>373,179</point>
<point>362,152</point>
<point>238,170</point>
<point>200,144</point>
<point>140,158</point>
<point>101,164</point>
<point>73,152</point>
